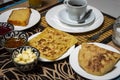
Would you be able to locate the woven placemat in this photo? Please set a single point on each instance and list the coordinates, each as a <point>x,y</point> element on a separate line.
<point>83,37</point>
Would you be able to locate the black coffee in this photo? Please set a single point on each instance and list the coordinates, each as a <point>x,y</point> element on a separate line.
<point>75,4</point>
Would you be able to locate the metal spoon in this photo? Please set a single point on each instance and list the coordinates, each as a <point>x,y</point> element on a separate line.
<point>87,14</point>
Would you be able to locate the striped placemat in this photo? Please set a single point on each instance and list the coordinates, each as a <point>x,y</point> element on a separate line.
<point>11,5</point>
<point>46,4</point>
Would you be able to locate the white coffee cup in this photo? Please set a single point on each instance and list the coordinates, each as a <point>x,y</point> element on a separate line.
<point>75,8</point>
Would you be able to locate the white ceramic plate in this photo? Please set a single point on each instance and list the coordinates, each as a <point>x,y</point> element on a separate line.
<point>62,57</point>
<point>73,59</point>
<point>34,18</point>
<point>53,20</point>
<point>63,17</point>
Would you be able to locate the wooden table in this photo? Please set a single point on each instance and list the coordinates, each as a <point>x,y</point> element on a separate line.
<point>59,70</point>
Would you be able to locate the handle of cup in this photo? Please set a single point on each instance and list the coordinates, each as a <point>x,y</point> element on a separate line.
<point>65,2</point>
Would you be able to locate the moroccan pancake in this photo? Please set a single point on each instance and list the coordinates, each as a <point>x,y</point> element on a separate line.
<point>52,43</point>
<point>96,60</point>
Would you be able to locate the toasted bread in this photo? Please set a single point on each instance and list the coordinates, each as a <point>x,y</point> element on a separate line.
<point>96,60</point>
<point>20,17</point>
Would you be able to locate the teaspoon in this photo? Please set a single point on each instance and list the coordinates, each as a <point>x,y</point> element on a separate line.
<point>87,14</point>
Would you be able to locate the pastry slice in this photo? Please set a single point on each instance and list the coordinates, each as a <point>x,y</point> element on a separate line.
<point>20,17</point>
<point>96,60</point>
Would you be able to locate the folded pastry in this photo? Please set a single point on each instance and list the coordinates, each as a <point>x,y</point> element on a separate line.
<point>20,17</point>
<point>52,43</point>
<point>96,60</point>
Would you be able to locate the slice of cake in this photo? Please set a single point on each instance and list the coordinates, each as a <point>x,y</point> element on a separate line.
<point>20,17</point>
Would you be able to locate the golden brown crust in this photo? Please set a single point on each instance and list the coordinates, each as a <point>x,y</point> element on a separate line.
<point>53,43</point>
<point>96,60</point>
<point>20,17</point>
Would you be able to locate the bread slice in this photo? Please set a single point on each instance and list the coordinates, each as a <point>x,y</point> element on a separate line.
<point>52,43</point>
<point>96,60</point>
<point>20,17</point>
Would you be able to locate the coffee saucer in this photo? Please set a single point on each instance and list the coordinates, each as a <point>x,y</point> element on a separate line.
<point>53,20</point>
<point>64,18</point>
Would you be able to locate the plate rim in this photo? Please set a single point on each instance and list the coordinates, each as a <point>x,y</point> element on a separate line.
<point>90,76</point>
<point>65,55</point>
<point>55,23</point>
<point>19,28</point>
<point>74,24</point>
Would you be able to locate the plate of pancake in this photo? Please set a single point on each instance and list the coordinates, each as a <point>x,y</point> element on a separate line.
<point>53,44</point>
<point>96,61</point>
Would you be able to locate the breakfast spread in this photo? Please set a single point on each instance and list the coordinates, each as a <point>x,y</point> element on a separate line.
<point>20,17</point>
<point>52,43</point>
<point>96,60</point>
<point>88,59</point>
<point>26,56</point>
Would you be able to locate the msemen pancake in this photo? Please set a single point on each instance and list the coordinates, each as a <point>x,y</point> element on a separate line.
<point>96,60</point>
<point>52,43</point>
